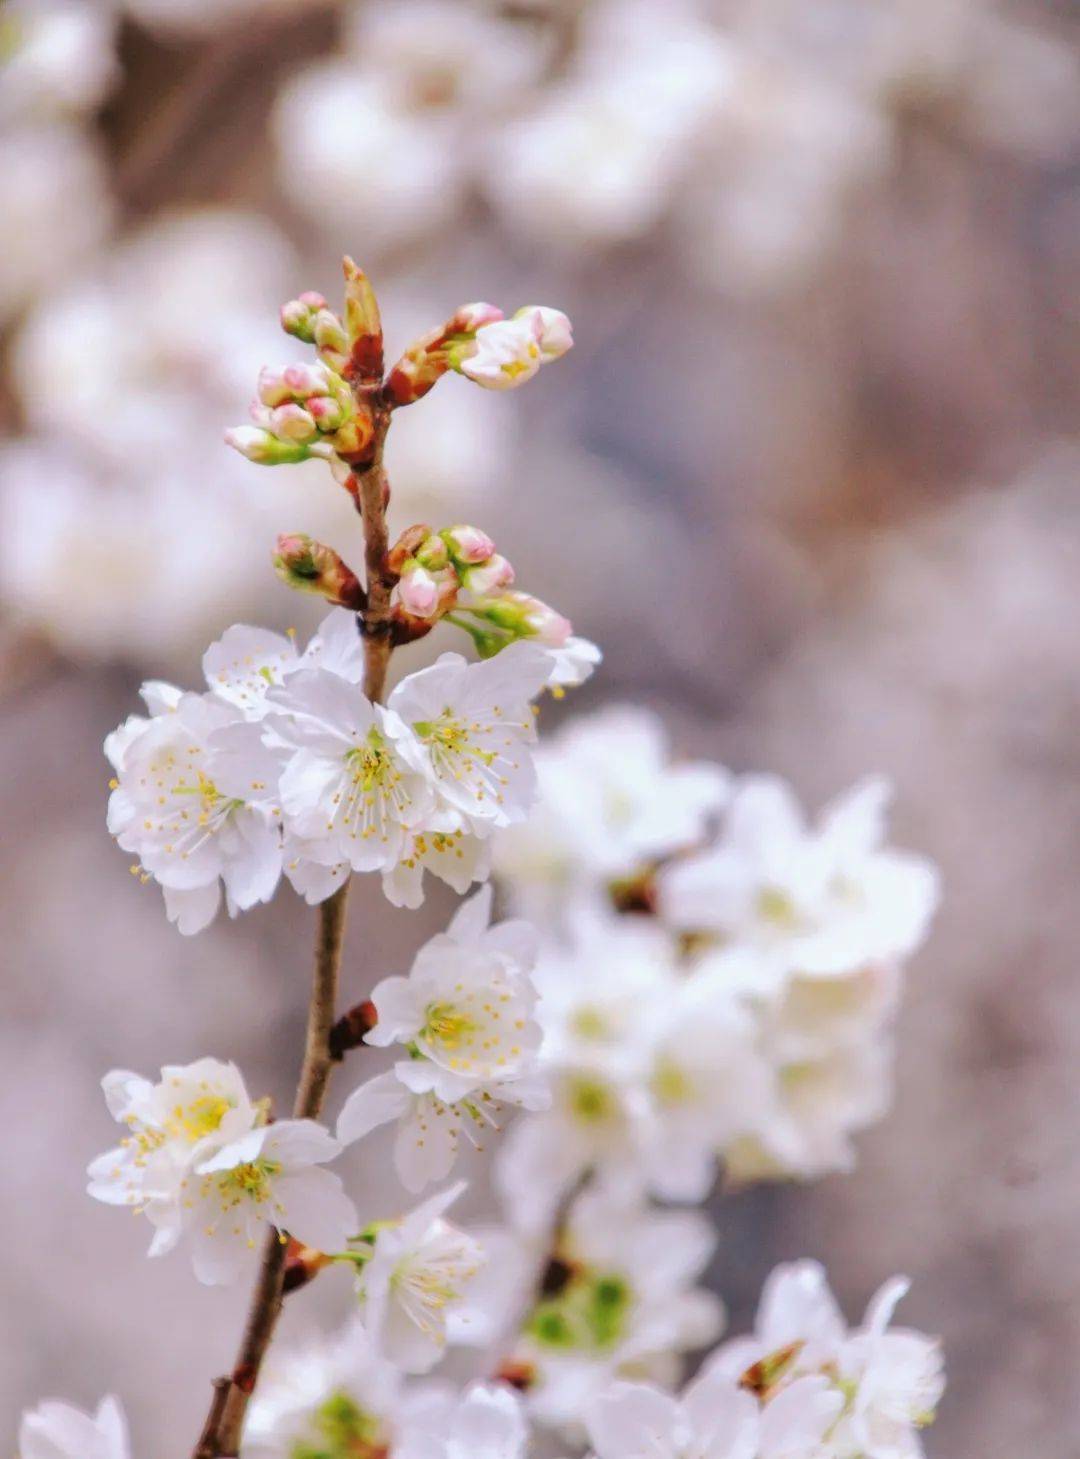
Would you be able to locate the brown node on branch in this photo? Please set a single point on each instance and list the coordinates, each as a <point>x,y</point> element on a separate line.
<point>348,1033</point>
<point>302,1265</point>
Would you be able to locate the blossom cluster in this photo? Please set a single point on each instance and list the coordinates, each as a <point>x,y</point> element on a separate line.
<point>717,975</point>
<point>282,766</point>
<point>803,1386</point>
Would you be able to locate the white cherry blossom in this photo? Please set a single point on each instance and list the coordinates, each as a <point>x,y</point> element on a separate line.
<point>270,1177</point>
<point>713,1419</point>
<point>346,788</point>
<point>324,1388</point>
<point>445,847</point>
<point>822,901</point>
<point>189,1113</point>
<point>418,1273</point>
<point>619,1299</point>
<point>474,725</point>
<point>194,800</point>
<point>245,662</point>
<point>611,802</point>
<point>487,1421</point>
<point>465,1014</point>
<point>888,1381</point>
<point>57,1430</point>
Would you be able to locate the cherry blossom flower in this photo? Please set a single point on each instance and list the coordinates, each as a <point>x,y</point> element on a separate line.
<point>465,1013</point>
<point>347,788</point>
<point>888,1382</point>
<point>822,901</point>
<point>713,1417</point>
<point>611,801</point>
<point>172,1125</point>
<point>472,730</point>
<point>325,1390</point>
<point>56,1430</point>
<point>270,1177</point>
<point>193,800</point>
<point>620,1298</point>
<point>445,847</point>
<point>487,1421</point>
<point>246,662</point>
<point>417,1273</point>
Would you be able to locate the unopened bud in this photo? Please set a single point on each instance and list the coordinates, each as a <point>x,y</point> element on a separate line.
<point>293,423</point>
<point>418,591</point>
<point>264,448</point>
<point>311,567</point>
<point>553,329</point>
<point>406,547</point>
<point>489,576</point>
<point>524,616</point>
<point>298,316</point>
<point>468,545</point>
<point>432,553</point>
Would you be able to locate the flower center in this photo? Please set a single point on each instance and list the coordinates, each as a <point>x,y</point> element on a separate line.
<point>201,1117</point>
<point>341,1429</point>
<point>589,1314</point>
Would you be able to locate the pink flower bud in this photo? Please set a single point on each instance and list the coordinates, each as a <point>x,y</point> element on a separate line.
<point>311,567</point>
<point>312,299</point>
<point>523,616</point>
<point>263,447</point>
<point>418,591</point>
<point>304,380</point>
<point>327,413</point>
<point>471,317</point>
<point>292,422</point>
<point>489,576</point>
<point>468,544</point>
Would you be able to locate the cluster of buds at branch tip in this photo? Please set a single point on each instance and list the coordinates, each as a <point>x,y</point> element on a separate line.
<point>311,567</point>
<point>480,343</point>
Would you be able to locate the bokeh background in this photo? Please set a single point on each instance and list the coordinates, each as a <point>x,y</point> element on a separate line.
<point>809,477</point>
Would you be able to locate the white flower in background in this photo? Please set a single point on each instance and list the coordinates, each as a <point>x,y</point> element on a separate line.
<point>54,182</point>
<point>194,800</point>
<point>270,1177</point>
<point>346,789</point>
<point>171,1125</point>
<point>56,1430</point>
<point>58,58</point>
<point>821,901</point>
<point>889,1381</point>
<point>473,723</point>
<point>713,1417</point>
<point>381,142</point>
<point>327,1390</point>
<point>619,1298</point>
<point>485,1422</point>
<point>466,1014</point>
<point>611,802</point>
<point>598,160</point>
<point>417,1275</point>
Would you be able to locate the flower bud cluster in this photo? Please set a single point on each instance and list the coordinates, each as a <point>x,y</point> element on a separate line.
<point>302,410</point>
